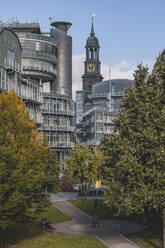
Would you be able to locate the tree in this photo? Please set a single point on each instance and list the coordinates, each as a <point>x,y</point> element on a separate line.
<point>82,167</point>
<point>26,164</point>
<point>135,153</point>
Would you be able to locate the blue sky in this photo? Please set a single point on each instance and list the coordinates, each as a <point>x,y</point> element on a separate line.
<point>129,31</point>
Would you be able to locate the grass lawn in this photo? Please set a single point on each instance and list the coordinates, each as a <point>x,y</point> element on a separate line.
<point>31,235</point>
<point>102,210</point>
<point>146,239</point>
<point>53,215</point>
<point>150,238</point>
<point>48,240</point>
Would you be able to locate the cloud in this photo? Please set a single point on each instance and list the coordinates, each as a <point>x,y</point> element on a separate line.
<point>121,70</point>
<point>77,72</point>
<point>124,70</point>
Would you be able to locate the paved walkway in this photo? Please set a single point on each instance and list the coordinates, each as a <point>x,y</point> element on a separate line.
<point>64,196</point>
<point>109,232</point>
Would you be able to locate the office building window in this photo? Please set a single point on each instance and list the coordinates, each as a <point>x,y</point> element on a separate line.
<point>37,46</point>
<point>10,58</point>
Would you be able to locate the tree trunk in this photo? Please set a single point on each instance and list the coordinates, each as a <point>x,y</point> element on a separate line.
<point>3,242</point>
<point>164,228</point>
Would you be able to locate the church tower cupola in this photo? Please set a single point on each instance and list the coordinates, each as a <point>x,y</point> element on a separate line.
<point>92,64</point>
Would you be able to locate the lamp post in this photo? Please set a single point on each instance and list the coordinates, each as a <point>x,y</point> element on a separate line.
<point>95,223</point>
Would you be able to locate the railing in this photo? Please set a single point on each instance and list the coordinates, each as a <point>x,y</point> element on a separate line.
<point>30,97</point>
<point>98,108</point>
<point>30,94</point>
<point>14,67</point>
<point>61,128</point>
<point>61,144</point>
<point>37,37</point>
<point>118,93</point>
<point>98,95</point>
<point>39,54</point>
<point>37,119</point>
<point>111,120</point>
<point>104,131</point>
<point>40,69</point>
<point>58,112</point>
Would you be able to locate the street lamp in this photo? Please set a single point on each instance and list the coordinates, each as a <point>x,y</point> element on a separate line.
<point>95,223</point>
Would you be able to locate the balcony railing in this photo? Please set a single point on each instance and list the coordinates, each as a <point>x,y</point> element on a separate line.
<point>39,54</point>
<point>106,121</point>
<point>118,93</point>
<point>13,67</point>
<point>58,128</point>
<point>61,144</point>
<point>98,95</point>
<point>40,69</point>
<point>58,112</point>
<point>104,131</point>
<point>37,37</point>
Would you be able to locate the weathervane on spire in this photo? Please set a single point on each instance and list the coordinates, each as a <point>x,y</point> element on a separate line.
<point>92,28</point>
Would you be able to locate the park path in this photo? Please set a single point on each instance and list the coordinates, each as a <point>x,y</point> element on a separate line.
<point>109,232</point>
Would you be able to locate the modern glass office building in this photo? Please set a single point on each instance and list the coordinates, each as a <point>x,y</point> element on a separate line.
<point>29,58</point>
<point>11,76</point>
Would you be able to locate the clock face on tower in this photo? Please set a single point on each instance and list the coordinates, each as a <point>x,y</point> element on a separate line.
<point>91,67</point>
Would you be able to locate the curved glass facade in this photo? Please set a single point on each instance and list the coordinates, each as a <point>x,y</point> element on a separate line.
<point>38,56</point>
<point>38,46</point>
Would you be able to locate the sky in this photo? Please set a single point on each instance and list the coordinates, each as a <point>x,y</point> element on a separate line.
<point>130,32</point>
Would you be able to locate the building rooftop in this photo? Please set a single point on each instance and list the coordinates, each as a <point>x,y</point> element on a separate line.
<point>108,85</point>
<point>28,27</point>
<point>2,28</point>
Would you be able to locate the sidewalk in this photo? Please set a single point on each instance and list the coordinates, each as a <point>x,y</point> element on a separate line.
<point>65,196</point>
<point>109,232</point>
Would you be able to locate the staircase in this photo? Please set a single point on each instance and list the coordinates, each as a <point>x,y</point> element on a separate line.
<point>66,185</point>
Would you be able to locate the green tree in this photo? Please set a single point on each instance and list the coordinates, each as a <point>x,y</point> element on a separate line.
<point>82,167</point>
<point>135,154</point>
<point>26,164</point>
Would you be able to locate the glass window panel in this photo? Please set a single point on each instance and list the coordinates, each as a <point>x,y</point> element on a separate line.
<point>10,58</point>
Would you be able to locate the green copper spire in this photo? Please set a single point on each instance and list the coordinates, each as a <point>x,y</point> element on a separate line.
<point>92,28</point>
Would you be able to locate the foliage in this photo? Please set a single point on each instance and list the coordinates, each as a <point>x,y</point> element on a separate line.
<point>146,239</point>
<point>82,167</point>
<point>18,232</point>
<point>135,154</point>
<point>25,164</point>
<point>103,210</point>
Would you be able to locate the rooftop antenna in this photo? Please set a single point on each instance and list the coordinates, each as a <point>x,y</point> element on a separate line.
<point>35,20</point>
<point>92,29</point>
<point>93,15</point>
<point>17,20</point>
<point>109,78</point>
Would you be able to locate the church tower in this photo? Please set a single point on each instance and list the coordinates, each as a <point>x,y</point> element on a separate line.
<point>92,64</point>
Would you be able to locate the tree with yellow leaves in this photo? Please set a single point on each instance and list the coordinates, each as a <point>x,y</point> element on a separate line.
<point>83,166</point>
<point>26,164</point>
